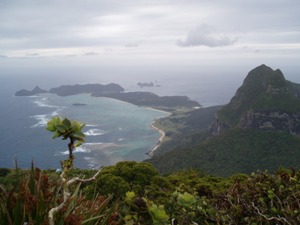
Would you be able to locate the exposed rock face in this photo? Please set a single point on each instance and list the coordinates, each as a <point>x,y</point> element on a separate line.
<point>215,128</point>
<point>271,120</point>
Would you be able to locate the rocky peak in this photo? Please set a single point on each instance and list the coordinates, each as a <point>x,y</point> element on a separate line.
<point>264,101</point>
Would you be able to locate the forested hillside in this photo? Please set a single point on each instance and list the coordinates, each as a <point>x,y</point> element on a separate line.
<point>257,130</point>
<point>234,151</point>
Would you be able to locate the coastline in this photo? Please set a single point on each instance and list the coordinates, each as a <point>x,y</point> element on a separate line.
<point>159,110</point>
<point>162,135</point>
<point>150,153</point>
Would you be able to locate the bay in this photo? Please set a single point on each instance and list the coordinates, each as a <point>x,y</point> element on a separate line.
<point>115,130</point>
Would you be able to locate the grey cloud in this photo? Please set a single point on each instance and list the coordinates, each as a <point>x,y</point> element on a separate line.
<point>43,20</point>
<point>205,35</point>
<point>35,25</point>
<point>91,53</point>
<point>69,56</point>
<point>132,45</point>
<point>32,54</point>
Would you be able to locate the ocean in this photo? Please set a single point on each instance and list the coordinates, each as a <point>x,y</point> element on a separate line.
<point>115,130</point>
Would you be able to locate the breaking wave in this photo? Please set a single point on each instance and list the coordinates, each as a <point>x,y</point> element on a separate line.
<point>41,103</point>
<point>81,149</point>
<point>94,132</point>
<point>42,120</point>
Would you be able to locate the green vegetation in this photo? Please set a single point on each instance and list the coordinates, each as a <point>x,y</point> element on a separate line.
<point>129,176</point>
<point>135,193</point>
<point>72,130</point>
<point>236,150</point>
<point>258,130</point>
<point>185,129</point>
<point>29,196</point>
<point>186,197</point>
<point>167,103</point>
<point>236,191</point>
<point>67,129</point>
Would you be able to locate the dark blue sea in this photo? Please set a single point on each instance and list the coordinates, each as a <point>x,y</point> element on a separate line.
<point>115,130</point>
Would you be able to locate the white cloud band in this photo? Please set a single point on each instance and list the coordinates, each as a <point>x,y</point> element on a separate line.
<point>205,35</point>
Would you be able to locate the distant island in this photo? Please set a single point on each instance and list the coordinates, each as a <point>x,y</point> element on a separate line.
<point>66,90</point>
<point>167,103</point>
<point>115,91</point>
<point>150,84</point>
<point>35,91</point>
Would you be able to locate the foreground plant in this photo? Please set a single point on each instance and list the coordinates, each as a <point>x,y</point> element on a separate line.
<point>67,129</point>
<point>29,200</point>
<point>72,130</point>
<point>37,192</point>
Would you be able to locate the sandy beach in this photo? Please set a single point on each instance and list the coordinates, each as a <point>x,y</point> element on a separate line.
<point>162,135</point>
<point>159,110</point>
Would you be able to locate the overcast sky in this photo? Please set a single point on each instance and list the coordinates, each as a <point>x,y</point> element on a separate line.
<point>191,33</point>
